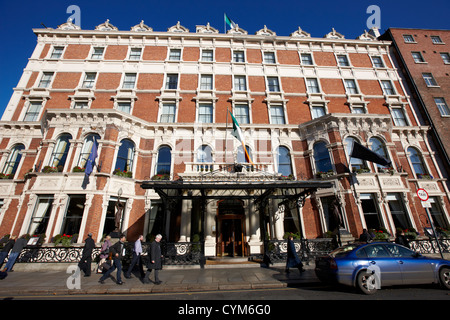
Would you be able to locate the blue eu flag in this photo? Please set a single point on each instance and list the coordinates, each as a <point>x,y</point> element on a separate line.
<point>91,160</point>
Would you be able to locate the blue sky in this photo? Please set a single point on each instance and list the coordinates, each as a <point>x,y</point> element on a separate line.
<point>18,18</point>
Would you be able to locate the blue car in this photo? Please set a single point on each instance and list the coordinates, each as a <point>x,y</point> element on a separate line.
<point>370,266</point>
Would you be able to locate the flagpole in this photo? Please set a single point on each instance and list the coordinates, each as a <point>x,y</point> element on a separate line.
<point>226,138</point>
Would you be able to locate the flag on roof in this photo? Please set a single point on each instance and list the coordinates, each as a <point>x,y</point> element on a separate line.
<point>229,22</point>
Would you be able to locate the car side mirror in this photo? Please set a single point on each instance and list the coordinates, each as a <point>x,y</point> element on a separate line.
<point>416,255</point>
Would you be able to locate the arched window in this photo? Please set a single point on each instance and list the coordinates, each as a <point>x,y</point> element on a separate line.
<point>355,163</point>
<point>322,158</point>
<point>242,156</point>
<point>164,161</point>
<point>60,151</point>
<point>125,156</point>
<point>417,162</point>
<point>13,160</point>
<point>204,154</point>
<point>378,146</point>
<point>284,161</point>
<point>87,148</point>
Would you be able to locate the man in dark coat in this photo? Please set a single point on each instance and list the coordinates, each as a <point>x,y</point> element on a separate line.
<point>155,260</point>
<point>118,252</point>
<point>86,256</point>
<point>293,261</point>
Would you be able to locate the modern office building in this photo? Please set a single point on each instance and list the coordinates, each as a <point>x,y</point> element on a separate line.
<point>157,108</point>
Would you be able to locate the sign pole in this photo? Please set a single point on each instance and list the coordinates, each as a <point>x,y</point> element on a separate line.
<point>423,196</point>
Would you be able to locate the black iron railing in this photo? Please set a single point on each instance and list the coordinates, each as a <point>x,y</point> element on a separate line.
<point>189,253</point>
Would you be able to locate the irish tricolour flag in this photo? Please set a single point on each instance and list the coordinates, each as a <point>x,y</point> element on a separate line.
<point>237,133</point>
<point>229,22</point>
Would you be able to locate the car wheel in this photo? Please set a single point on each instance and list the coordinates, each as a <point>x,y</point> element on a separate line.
<point>444,277</point>
<point>366,282</point>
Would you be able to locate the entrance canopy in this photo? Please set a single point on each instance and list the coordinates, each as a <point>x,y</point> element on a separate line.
<point>289,190</point>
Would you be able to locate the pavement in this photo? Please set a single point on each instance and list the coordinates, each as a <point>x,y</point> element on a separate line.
<point>24,282</point>
<point>61,279</point>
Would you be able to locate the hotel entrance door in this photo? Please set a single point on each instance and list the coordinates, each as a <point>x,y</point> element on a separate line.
<point>230,239</point>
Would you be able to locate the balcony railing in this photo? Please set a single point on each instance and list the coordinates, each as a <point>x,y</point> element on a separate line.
<point>223,167</point>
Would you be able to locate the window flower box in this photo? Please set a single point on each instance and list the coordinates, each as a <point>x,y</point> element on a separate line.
<point>161,177</point>
<point>120,173</point>
<point>6,176</point>
<point>78,169</point>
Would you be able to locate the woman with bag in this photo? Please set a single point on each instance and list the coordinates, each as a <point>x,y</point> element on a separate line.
<point>104,253</point>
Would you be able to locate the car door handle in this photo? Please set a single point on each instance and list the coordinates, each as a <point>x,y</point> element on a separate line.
<point>373,262</point>
<point>400,262</point>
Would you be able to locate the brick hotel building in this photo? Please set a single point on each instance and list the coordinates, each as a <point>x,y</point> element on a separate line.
<point>157,104</point>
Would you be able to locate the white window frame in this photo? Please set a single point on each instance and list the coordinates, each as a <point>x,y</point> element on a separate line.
<point>168,116</point>
<point>418,58</point>
<point>59,55</point>
<point>408,38</point>
<point>436,40</point>
<point>352,88</point>
<point>132,56</point>
<point>445,57</point>
<point>316,85</point>
<point>272,59</point>
<point>345,62</point>
<point>239,116</point>
<point>388,90</point>
<point>46,79</point>
<point>97,56</point>
<point>29,112</point>
<point>206,82</point>
<point>129,80</point>
<point>237,83</point>
<point>273,84</point>
<point>234,56</point>
<point>429,79</point>
<point>89,83</point>
<point>167,82</point>
<point>442,106</point>
<point>272,116</point>
<point>200,105</point>
<point>310,60</point>
<point>381,62</point>
<point>206,58</point>
<point>173,54</point>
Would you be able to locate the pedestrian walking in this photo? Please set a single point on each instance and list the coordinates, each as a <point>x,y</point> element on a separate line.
<point>15,251</point>
<point>118,252</point>
<point>293,261</point>
<point>6,249</point>
<point>137,258</point>
<point>104,254</point>
<point>86,256</point>
<point>155,260</point>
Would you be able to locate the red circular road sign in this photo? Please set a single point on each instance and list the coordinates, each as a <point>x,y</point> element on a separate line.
<point>422,194</point>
